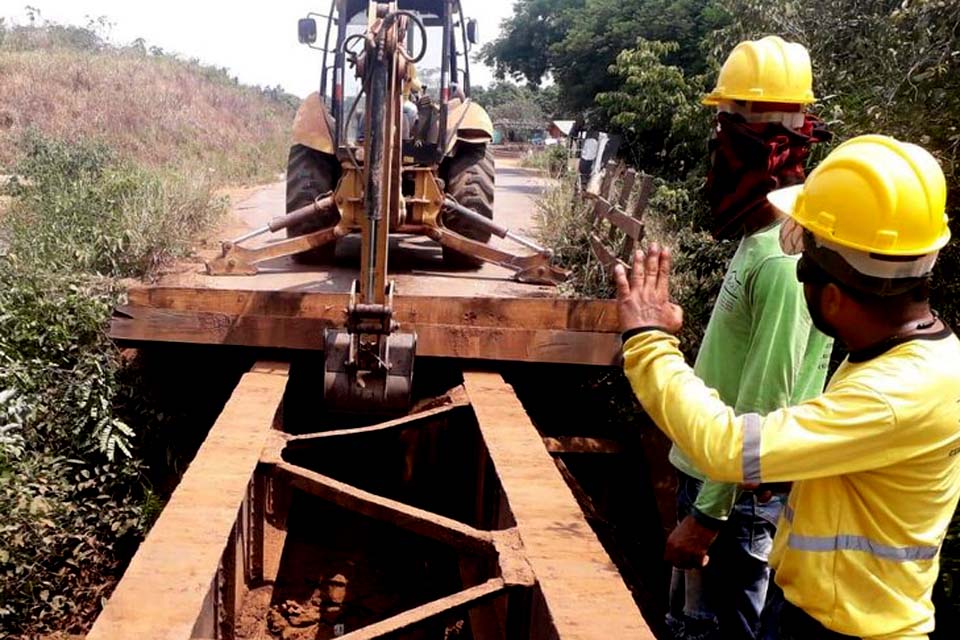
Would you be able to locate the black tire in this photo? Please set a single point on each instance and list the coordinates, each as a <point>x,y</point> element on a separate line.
<point>311,173</point>
<point>470,178</point>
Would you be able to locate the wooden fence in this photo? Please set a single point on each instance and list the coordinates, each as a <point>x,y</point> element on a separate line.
<point>619,204</point>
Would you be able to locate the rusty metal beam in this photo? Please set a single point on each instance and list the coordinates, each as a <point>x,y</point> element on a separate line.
<point>169,582</point>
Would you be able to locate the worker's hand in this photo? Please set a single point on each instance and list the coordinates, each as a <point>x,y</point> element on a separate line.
<point>643,299</point>
<point>688,545</point>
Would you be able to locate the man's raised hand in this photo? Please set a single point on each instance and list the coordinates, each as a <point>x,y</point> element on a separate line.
<point>643,298</point>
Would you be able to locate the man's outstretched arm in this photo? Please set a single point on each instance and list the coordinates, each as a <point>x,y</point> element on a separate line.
<point>849,429</point>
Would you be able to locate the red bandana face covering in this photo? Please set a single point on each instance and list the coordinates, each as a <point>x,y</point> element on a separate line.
<point>749,160</point>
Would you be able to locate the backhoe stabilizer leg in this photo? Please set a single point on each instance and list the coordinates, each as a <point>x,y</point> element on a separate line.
<point>532,269</point>
<point>235,260</point>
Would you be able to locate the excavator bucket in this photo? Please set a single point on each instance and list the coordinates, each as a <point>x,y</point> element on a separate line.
<point>383,389</point>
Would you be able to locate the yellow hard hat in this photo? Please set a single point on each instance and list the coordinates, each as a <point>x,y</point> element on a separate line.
<point>873,194</point>
<point>765,70</point>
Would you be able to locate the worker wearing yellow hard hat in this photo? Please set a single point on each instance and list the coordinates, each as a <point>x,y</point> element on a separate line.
<point>875,459</point>
<point>759,351</point>
<point>765,70</point>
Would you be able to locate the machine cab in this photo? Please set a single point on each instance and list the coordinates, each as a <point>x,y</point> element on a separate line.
<point>443,69</point>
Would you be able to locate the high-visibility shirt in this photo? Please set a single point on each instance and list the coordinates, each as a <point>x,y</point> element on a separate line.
<point>875,463</point>
<point>760,350</point>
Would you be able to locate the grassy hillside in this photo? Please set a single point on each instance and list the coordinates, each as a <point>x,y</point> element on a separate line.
<point>67,83</point>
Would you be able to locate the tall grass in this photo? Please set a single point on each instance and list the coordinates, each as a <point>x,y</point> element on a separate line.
<point>79,208</point>
<point>155,109</point>
<point>565,220</point>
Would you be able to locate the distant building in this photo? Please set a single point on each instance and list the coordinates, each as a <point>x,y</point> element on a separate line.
<point>561,129</point>
<point>515,131</point>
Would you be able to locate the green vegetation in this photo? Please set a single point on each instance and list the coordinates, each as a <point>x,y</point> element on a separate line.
<point>886,66</point>
<point>508,101</point>
<point>114,154</point>
<point>80,208</point>
<point>554,160</point>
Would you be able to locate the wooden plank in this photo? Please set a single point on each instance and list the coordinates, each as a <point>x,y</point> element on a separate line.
<point>643,196</point>
<point>163,591</point>
<point>583,591</point>
<point>414,617</point>
<point>565,314</point>
<point>140,324</point>
<point>604,255</point>
<point>576,444</point>
<point>639,207</point>
<point>630,226</point>
<point>606,183</point>
<point>629,177</point>
<point>424,523</point>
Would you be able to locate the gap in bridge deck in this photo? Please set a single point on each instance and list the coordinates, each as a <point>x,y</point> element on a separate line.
<point>378,569</point>
<point>437,464</point>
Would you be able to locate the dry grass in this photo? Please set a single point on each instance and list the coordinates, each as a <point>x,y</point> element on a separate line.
<point>154,109</point>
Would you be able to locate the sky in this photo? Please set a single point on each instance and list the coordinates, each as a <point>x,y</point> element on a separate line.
<point>256,41</point>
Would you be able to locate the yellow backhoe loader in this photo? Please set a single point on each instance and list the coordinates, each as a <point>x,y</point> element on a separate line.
<point>384,148</point>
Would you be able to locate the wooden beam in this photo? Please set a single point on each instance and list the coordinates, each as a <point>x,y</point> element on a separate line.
<point>558,314</point>
<point>604,255</point>
<point>144,324</point>
<point>431,525</point>
<point>449,604</point>
<point>398,423</point>
<point>576,444</point>
<point>574,573</point>
<point>630,226</point>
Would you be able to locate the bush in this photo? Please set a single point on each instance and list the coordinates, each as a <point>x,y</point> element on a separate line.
<point>555,160</point>
<point>78,208</point>
<point>70,493</point>
<point>564,220</point>
<point>73,489</point>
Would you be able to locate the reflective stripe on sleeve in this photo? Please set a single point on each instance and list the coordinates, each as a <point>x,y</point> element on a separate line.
<point>751,447</point>
<point>860,543</point>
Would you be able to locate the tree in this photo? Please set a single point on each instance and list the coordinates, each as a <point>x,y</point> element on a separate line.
<point>522,51</point>
<point>657,110</point>
<point>544,102</point>
<point>576,42</point>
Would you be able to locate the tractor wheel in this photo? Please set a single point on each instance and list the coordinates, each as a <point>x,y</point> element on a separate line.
<point>311,173</point>
<point>470,178</point>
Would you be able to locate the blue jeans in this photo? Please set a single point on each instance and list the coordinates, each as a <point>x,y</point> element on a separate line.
<point>725,598</point>
<point>785,621</point>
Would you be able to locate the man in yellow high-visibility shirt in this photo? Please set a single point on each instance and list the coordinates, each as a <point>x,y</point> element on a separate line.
<point>759,350</point>
<point>875,460</point>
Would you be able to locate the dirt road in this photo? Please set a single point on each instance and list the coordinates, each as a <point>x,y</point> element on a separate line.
<point>415,262</point>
